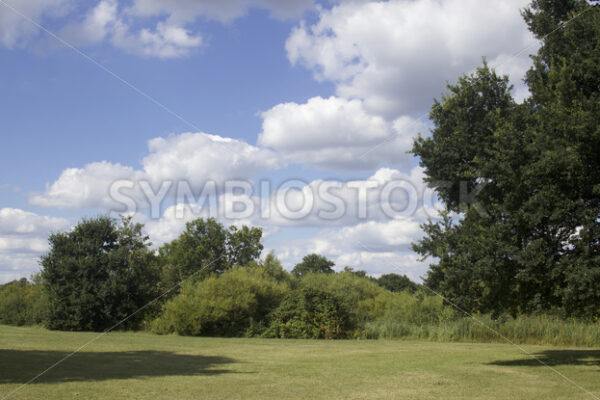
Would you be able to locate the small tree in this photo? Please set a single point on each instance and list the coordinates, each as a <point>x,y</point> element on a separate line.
<point>206,247</point>
<point>313,263</point>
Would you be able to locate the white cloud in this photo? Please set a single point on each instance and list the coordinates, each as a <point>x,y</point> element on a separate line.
<point>224,10</point>
<point>377,248</point>
<point>16,30</point>
<point>338,133</point>
<point>358,219</point>
<point>386,195</point>
<point>17,222</point>
<point>16,266</point>
<point>377,264</point>
<point>197,157</point>
<point>194,158</point>
<point>23,239</point>
<point>105,22</point>
<point>398,55</point>
<point>94,27</point>
<point>382,236</point>
<point>148,28</point>
<point>165,41</point>
<point>86,187</point>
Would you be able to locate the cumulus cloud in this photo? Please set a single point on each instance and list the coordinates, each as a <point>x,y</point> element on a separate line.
<point>16,266</point>
<point>338,133</point>
<point>198,156</point>
<point>383,212</point>
<point>86,187</point>
<point>19,223</point>
<point>23,239</point>
<point>193,158</point>
<point>398,55</point>
<point>386,195</point>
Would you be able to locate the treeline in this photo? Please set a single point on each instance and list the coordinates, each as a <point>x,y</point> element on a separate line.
<point>208,281</point>
<point>211,281</point>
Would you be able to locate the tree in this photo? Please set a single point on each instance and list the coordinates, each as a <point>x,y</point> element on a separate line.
<point>397,283</point>
<point>98,274</point>
<point>359,273</point>
<point>207,247</point>
<point>243,245</point>
<point>532,169</point>
<point>315,264</point>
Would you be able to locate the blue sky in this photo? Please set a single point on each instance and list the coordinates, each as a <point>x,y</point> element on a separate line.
<point>266,91</point>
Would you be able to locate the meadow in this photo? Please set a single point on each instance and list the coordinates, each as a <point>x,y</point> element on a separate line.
<point>138,365</point>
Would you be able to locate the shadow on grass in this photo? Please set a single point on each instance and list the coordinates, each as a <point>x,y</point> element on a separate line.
<point>19,366</point>
<point>556,357</point>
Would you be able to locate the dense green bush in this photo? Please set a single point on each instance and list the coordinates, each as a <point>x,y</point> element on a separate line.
<point>22,303</point>
<point>308,313</point>
<point>356,294</point>
<point>232,304</point>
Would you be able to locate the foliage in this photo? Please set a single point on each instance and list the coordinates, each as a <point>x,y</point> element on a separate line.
<point>22,302</point>
<point>313,264</point>
<point>397,283</point>
<point>222,305</point>
<point>98,274</point>
<point>309,313</point>
<point>207,247</point>
<point>355,293</point>
<point>521,178</point>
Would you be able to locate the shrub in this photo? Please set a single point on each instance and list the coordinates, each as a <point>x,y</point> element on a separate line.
<point>308,313</point>
<point>356,294</point>
<point>225,305</point>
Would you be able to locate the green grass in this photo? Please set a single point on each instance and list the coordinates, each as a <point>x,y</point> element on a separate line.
<point>145,366</point>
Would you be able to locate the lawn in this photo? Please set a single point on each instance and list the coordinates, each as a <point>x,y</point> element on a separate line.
<point>145,366</point>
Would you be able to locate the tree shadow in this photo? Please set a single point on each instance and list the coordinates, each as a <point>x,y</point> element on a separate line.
<point>556,357</point>
<point>19,366</point>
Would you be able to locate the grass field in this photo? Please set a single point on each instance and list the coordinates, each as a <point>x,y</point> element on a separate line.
<point>145,366</point>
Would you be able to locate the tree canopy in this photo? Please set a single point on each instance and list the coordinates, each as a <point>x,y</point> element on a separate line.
<point>98,274</point>
<point>521,182</point>
<point>206,247</point>
<point>313,263</point>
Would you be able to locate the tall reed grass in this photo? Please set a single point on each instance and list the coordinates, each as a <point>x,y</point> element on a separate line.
<point>543,330</point>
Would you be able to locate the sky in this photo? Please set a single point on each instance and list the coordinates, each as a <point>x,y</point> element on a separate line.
<point>294,116</point>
